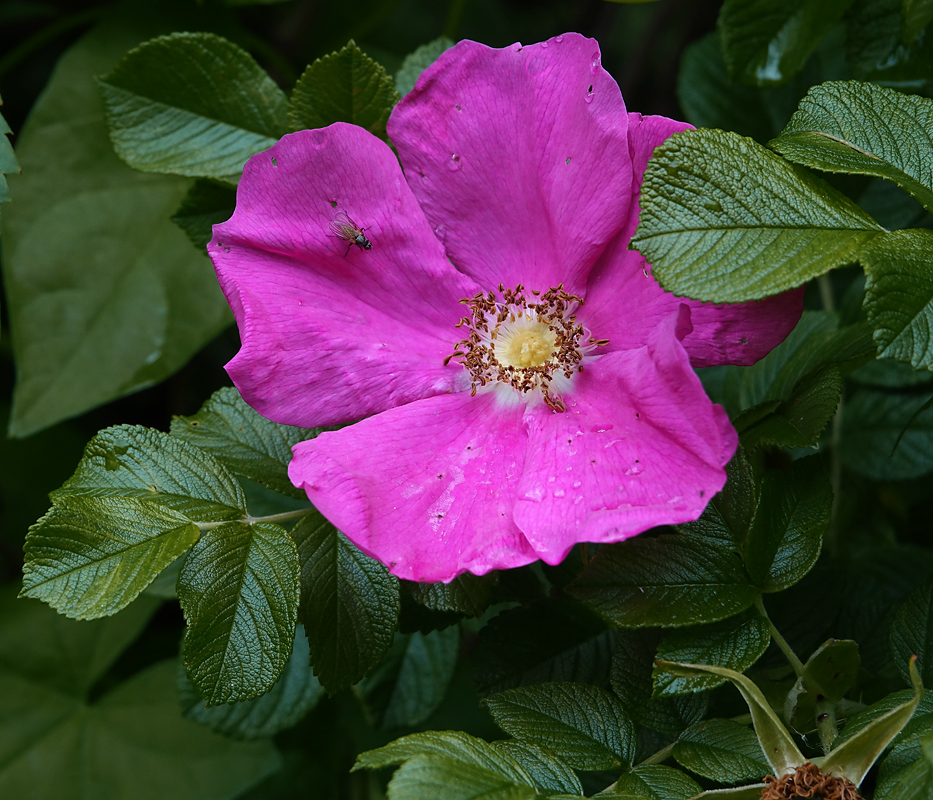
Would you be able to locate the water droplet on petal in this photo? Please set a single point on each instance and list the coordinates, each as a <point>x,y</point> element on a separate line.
<point>595,62</point>
<point>577,484</point>
<point>545,43</point>
<point>558,39</point>
<point>454,162</point>
<point>558,493</point>
<point>589,95</point>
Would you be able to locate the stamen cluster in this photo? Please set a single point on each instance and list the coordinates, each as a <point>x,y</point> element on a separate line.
<point>533,346</point>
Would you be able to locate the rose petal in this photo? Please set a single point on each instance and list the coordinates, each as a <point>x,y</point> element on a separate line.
<point>640,445</point>
<point>427,489</point>
<point>519,158</point>
<point>624,302</point>
<point>330,335</point>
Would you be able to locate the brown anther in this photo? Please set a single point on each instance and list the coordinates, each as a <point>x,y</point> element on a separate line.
<point>809,781</point>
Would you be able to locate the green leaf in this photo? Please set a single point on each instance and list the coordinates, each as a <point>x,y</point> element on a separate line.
<point>874,38</point>
<point>874,422</point>
<point>91,556</point>
<point>631,681</point>
<point>239,591</point>
<point>917,15</point>
<point>736,643</point>
<point>206,204</point>
<point>787,533</point>
<point>413,678</point>
<point>346,86</point>
<point>349,604</point>
<point>133,461</point>
<point>427,776</point>
<point>556,639</point>
<point>245,442</point>
<point>192,104</point>
<point>61,737</point>
<point>8,162</point>
<point>92,323</point>
<point>776,743</point>
<point>295,693</point>
<point>454,745</point>
<point>863,129</point>
<point>653,782</point>
<point>723,751</point>
<point>417,62</point>
<point>861,748</point>
<point>549,773</point>
<point>466,594</point>
<point>798,420</point>
<point>912,633</point>
<point>725,220</point>
<point>913,782</point>
<point>766,42</point>
<point>582,725</point>
<point>899,295</point>
<point>828,675</point>
<point>667,581</point>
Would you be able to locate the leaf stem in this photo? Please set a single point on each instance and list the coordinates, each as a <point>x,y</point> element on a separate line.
<point>250,520</point>
<point>657,758</point>
<point>779,640</point>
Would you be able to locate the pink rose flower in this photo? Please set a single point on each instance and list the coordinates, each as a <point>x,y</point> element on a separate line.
<point>523,382</point>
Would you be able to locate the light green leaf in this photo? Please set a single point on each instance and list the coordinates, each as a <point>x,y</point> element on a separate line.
<point>917,15</point>
<point>455,745</point>
<point>549,772</point>
<point>786,535</point>
<point>8,162</point>
<point>89,557</point>
<point>417,62</point>
<point>60,738</point>
<point>206,204</point>
<point>864,129</point>
<point>776,743</point>
<point>349,604</point>
<point>766,42</point>
<point>653,782</point>
<point>345,86</point>
<point>726,220</point>
<point>582,725</point>
<point>413,678</point>
<point>899,295</point>
<point>192,104</point>
<point>433,776</point>
<point>92,323</point>
<point>874,422</point>
<point>247,443</point>
<point>631,681</point>
<point>664,581</point>
<point>239,591</point>
<point>723,751</point>
<point>912,633</point>
<point>133,461</point>
<point>736,643</point>
<point>295,693</point>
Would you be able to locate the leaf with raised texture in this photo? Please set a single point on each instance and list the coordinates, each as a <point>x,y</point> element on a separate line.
<point>725,220</point>
<point>418,61</point>
<point>245,442</point>
<point>427,776</point>
<point>133,461</point>
<point>206,204</point>
<point>787,533</point>
<point>766,42</point>
<point>736,643</point>
<point>549,772</point>
<point>349,604</point>
<point>345,86</point>
<point>91,556</point>
<point>582,725</point>
<point>295,693</point>
<point>723,751</point>
<point>899,295</point>
<point>670,580</point>
<point>864,129</point>
<point>652,782</point>
<point>239,591</point>
<point>60,724</point>
<point>912,634</point>
<point>192,104</point>
<point>466,594</point>
<point>90,324</point>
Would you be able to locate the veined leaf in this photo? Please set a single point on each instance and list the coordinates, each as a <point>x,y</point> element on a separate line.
<point>723,751</point>
<point>8,162</point>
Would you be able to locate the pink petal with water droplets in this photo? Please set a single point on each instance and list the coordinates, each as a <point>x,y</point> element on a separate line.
<point>427,489</point>
<point>328,335</point>
<point>520,159</point>
<point>640,445</point>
